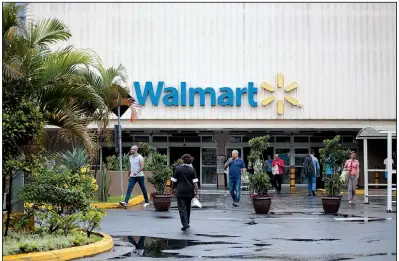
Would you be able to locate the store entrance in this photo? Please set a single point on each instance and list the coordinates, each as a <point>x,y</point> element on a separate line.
<point>177,152</point>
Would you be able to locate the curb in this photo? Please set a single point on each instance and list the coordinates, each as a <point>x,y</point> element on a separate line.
<point>133,202</point>
<point>358,191</point>
<point>104,245</point>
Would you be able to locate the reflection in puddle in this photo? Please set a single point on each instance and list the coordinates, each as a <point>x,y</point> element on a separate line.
<point>155,247</point>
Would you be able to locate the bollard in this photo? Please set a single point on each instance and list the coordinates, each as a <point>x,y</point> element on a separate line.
<point>377,178</point>
<point>292,177</point>
<point>168,186</point>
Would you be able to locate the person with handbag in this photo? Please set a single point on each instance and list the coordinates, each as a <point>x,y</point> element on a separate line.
<point>278,165</point>
<point>352,166</point>
<point>186,183</point>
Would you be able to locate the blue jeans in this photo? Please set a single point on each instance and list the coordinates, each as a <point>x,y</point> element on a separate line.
<point>235,188</point>
<point>132,182</point>
<point>311,183</point>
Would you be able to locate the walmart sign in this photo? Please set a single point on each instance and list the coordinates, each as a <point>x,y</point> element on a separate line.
<point>171,96</point>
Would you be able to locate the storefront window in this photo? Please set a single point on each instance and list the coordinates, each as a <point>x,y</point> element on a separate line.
<point>160,138</point>
<point>283,139</point>
<point>209,166</point>
<point>235,139</point>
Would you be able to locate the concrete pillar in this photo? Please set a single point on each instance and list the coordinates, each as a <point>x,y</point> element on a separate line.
<point>221,139</point>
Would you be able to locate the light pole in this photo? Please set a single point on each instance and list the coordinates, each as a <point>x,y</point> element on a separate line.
<point>120,144</point>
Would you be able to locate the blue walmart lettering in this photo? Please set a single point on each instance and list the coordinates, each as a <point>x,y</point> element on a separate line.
<point>171,97</point>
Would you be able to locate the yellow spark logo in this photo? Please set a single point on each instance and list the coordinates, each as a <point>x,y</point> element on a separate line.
<point>288,89</point>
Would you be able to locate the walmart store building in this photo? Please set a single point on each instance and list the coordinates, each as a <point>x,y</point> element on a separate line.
<point>213,75</point>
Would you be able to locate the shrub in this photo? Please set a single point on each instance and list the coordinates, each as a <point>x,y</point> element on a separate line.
<point>259,182</point>
<point>157,164</point>
<point>64,191</point>
<point>112,162</point>
<point>334,154</point>
<point>18,243</point>
<point>75,159</point>
<point>91,219</point>
<point>334,185</point>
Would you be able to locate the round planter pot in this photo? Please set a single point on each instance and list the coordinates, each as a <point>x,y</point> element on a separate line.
<point>162,202</point>
<point>262,205</point>
<point>331,204</point>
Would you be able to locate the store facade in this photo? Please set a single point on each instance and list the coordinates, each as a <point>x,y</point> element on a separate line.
<point>211,76</point>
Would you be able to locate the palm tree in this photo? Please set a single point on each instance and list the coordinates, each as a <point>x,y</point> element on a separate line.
<point>109,84</point>
<point>56,76</point>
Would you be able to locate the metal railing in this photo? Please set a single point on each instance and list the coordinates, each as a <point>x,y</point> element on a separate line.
<point>390,189</point>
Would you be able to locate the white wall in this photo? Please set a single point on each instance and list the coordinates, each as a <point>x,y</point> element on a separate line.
<point>341,55</point>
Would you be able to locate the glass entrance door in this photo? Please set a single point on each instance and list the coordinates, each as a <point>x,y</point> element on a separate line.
<point>209,166</point>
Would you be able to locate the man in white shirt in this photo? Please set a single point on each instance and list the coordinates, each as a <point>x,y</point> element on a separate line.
<point>135,174</point>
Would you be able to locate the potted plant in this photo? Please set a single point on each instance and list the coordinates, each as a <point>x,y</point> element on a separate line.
<point>157,164</point>
<point>334,155</point>
<point>259,182</point>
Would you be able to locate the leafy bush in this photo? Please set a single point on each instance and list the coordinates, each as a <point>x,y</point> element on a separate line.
<point>18,243</point>
<point>112,162</point>
<point>157,164</point>
<point>259,182</point>
<point>64,191</point>
<point>333,153</point>
<point>334,185</point>
<point>75,159</point>
<point>91,219</point>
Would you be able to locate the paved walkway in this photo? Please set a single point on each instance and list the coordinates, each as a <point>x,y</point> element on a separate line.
<point>295,229</point>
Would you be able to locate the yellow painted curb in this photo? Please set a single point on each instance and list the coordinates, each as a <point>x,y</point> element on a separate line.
<point>358,191</point>
<point>133,202</point>
<point>104,245</point>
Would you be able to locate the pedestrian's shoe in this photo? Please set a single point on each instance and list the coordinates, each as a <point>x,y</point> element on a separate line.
<point>314,194</point>
<point>350,201</point>
<point>235,204</point>
<point>184,228</point>
<point>122,203</point>
<point>309,194</point>
<point>146,205</point>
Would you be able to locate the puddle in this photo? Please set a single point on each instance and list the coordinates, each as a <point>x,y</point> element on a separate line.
<point>214,236</point>
<point>164,217</point>
<point>307,239</point>
<point>156,247</point>
<point>262,245</point>
<point>251,223</point>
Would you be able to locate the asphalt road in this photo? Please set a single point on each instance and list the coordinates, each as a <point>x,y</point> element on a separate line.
<point>295,229</point>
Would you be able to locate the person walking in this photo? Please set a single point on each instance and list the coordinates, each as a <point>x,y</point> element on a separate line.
<point>311,170</point>
<point>278,178</point>
<point>236,173</point>
<point>135,174</point>
<point>353,167</point>
<point>226,173</point>
<point>186,183</point>
<point>268,168</point>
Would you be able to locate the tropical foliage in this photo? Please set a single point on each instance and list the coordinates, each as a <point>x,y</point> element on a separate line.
<point>47,82</point>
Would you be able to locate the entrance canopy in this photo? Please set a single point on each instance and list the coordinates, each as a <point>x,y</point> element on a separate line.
<point>374,133</point>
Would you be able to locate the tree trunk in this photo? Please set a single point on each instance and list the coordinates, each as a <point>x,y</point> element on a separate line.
<point>9,207</point>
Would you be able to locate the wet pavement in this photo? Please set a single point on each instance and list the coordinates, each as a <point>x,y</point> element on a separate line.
<point>295,229</point>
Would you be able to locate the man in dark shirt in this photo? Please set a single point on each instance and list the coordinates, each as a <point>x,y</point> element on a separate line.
<point>186,183</point>
<point>235,165</point>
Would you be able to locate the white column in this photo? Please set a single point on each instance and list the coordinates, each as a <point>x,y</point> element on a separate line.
<point>366,172</point>
<point>389,169</point>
